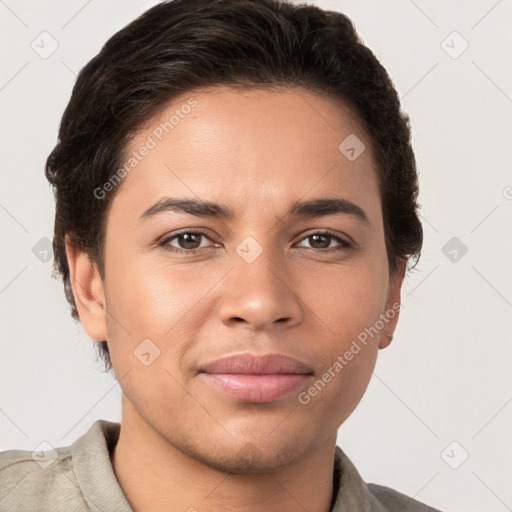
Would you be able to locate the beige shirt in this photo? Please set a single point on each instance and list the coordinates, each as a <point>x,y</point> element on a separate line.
<point>80,478</point>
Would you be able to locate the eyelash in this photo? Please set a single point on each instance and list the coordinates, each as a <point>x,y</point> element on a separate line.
<point>165,242</point>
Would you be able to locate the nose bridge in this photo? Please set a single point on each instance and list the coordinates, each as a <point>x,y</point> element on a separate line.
<point>259,291</point>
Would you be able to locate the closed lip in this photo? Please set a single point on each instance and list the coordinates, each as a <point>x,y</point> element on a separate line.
<point>257,364</point>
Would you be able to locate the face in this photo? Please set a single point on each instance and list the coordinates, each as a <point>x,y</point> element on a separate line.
<point>253,276</point>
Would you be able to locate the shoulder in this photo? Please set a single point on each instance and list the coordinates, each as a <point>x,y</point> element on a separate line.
<point>392,500</point>
<point>42,480</point>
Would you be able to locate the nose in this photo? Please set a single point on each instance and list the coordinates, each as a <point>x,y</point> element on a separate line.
<point>259,295</point>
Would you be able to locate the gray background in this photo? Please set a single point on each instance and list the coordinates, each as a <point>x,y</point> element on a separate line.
<point>446,376</point>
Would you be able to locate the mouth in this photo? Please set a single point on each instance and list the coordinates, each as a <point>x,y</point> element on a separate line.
<point>256,378</point>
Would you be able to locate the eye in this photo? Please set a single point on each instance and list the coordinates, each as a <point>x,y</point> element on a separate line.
<point>187,241</point>
<point>322,240</point>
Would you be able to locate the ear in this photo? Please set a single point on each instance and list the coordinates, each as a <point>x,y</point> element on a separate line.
<point>88,292</point>
<point>393,305</point>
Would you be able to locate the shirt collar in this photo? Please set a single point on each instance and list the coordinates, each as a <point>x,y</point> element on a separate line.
<point>353,492</point>
<point>93,468</point>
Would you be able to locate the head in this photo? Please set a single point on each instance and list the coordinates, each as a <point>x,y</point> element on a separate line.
<point>257,106</point>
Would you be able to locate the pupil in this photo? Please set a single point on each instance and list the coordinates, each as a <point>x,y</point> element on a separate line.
<point>189,239</point>
<point>316,237</point>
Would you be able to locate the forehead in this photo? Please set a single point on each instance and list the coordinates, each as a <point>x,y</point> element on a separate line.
<point>250,146</point>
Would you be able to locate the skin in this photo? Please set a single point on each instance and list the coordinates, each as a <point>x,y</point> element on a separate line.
<point>183,442</point>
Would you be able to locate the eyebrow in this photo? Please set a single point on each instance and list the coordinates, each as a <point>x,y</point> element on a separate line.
<point>312,208</point>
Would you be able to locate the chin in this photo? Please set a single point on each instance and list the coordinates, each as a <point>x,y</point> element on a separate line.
<point>248,457</point>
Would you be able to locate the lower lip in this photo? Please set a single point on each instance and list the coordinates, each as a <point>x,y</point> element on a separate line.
<point>256,388</point>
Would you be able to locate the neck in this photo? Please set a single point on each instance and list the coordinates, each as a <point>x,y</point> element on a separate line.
<point>156,475</point>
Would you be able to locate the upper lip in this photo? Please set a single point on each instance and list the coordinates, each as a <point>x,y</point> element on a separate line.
<point>260,364</point>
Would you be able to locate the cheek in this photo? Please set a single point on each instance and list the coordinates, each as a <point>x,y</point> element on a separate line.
<point>346,300</point>
<point>145,294</point>
<point>152,298</point>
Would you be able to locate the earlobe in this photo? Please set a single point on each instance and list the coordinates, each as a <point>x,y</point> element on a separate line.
<point>393,306</point>
<point>88,292</point>
<point>385,340</point>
